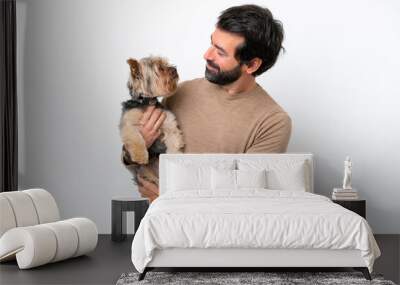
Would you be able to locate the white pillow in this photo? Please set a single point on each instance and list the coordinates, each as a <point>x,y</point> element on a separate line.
<point>251,178</point>
<point>227,179</point>
<point>223,179</point>
<point>287,179</point>
<point>187,175</point>
<point>281,174</point>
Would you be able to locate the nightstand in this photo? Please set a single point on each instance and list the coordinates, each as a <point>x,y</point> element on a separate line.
<point>357,206</point>
<point>119,207</point>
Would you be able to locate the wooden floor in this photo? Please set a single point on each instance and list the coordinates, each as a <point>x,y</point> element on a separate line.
<point>111,259</point>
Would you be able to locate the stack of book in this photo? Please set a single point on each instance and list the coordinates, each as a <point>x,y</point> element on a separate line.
<point>344,194</point>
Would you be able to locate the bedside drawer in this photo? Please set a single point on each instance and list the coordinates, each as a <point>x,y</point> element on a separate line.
<point>357,206</point>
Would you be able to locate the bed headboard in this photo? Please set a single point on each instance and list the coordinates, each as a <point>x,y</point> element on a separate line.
<point>211,158</point>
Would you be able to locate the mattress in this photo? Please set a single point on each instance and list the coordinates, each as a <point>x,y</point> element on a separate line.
<point>250,219</point>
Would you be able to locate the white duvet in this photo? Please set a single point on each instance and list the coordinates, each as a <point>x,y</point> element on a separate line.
<point>253,218</point>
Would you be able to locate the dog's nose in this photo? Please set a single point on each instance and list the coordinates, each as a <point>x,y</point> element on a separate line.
<point>173,71</point>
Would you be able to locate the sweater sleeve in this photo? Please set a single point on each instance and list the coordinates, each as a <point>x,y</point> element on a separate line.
<point>273,134</point>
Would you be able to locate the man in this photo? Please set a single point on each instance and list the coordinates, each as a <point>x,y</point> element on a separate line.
<point>227,111</point>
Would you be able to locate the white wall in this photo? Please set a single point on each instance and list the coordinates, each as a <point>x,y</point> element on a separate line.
<point>337,81</point>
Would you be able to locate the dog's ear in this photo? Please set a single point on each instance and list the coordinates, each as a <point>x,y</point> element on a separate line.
<point>134,66</point>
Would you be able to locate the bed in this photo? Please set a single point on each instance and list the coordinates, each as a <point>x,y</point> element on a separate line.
<point>245,211</point>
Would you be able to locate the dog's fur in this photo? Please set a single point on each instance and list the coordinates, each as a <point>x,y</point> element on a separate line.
<point>149,78</point>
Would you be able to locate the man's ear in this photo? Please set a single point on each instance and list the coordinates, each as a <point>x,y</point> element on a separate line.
<point>134,66</point>
<point>253,65</point>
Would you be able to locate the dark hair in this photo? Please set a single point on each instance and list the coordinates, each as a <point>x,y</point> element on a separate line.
<point>262,33</point>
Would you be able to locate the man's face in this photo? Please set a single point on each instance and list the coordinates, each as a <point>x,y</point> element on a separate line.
<point>222,67</point>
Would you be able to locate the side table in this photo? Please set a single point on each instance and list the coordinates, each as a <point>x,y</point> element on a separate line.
<point>357,206</point>
<point>119,206</point>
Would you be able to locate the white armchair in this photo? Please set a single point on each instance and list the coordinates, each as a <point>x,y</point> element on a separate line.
<point>32,233</point>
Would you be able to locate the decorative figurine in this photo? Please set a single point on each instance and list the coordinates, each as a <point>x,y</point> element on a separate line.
<point>347,173</point>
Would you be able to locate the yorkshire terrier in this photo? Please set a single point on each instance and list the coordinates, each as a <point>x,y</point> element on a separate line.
<point>149,78</point>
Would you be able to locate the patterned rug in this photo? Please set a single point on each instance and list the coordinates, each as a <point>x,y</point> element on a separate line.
<point>270,278</point>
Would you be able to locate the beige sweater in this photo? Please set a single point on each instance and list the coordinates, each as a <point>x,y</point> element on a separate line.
<point>213,121</point>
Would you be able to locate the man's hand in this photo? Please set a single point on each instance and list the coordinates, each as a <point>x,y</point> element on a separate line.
<point>151,122</point>
<point>147,189</point>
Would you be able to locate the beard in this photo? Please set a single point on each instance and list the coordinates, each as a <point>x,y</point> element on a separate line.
<point>222,77</point>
